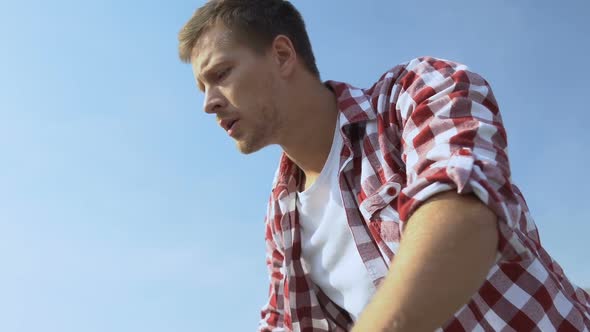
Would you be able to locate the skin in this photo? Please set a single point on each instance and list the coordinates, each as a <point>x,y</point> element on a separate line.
<point>449,243</point>
<point>447,249</point>
<point>276,100</point>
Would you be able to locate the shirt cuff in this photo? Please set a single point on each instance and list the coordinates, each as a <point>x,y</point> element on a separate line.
<point>464,173</point>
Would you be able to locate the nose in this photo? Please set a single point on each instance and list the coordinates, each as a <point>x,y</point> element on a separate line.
<point>214,101</point>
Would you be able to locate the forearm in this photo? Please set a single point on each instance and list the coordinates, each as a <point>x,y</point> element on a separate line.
<point>445,254</point>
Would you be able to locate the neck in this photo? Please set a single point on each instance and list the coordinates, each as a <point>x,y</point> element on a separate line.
<point>310,127</point>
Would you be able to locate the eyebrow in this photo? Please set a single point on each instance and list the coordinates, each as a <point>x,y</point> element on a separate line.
<point>209,68</point>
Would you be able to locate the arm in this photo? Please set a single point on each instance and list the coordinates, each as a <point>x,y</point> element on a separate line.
<point>454,207</point>
<point>448,247</point>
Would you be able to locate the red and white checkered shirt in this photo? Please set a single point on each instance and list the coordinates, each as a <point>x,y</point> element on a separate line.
<point>425,127</point>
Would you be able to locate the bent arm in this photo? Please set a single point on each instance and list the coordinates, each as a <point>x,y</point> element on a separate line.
<point>455,203</point>
<point>447,250</point>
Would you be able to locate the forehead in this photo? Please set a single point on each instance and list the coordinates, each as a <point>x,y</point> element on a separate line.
<point>216,41</point>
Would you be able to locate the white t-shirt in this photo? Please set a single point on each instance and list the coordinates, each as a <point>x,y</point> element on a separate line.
<point>328,248</point>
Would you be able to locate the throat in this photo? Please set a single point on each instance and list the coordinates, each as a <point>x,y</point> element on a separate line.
<point>306,181</point>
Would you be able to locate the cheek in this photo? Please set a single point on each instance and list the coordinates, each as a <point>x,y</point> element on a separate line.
<point>243,93</point>
<point>267,89</point>
<point>252,91</point>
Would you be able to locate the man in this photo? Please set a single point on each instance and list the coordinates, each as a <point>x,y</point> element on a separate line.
<point>392,208</point>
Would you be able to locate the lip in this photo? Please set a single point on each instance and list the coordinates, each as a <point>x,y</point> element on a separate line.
<point>226,124</point>
<point>232,128</point>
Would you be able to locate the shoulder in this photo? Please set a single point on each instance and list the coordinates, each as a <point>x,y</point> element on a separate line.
<point>423,77</point>
<point>433,64</point>
<point>421,70</point>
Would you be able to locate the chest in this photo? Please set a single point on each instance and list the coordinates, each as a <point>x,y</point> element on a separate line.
<point>371,179</point>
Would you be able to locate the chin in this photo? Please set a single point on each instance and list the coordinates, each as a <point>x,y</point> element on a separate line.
<point>248,147</point>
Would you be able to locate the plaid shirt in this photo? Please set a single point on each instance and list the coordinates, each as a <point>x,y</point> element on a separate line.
<point>425,127</point>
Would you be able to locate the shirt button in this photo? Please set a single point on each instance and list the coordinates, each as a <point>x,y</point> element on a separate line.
<point>464,152</point>
<point>391,191</point>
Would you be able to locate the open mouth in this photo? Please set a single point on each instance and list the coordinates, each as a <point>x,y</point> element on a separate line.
<point>231,124</point>
<point>227,124</point>
<point>231,128</point>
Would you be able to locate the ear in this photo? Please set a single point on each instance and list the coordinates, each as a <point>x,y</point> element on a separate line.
<point>284,54</point>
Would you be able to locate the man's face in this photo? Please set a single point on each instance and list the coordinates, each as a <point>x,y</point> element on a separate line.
<point>240,88</point>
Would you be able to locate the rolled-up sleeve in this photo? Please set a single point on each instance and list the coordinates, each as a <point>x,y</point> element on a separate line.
<point>452,138</point>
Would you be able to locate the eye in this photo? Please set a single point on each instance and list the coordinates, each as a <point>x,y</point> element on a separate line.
<point>222,74</point>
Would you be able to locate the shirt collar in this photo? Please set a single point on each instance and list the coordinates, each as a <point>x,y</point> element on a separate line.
<point>354,107</point>
<point>353,104</point>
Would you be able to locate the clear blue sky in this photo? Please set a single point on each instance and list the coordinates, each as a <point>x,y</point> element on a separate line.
<point>123,207</point>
